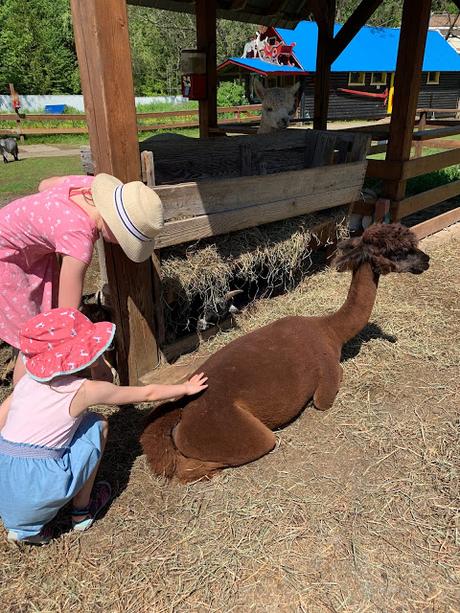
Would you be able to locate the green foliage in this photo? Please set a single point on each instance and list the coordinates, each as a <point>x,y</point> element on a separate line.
<point>159,107</point>
<point>389,12</point>
<point>231,94</point>
<point>37,51</point>
<point>36,47</point>
<point>157,38</point>
<point>418,185</point>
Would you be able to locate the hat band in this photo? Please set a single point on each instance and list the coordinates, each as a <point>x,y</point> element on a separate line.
<point>119,205</point>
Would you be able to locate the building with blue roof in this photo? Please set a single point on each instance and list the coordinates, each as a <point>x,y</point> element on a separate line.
<point>361,77</point>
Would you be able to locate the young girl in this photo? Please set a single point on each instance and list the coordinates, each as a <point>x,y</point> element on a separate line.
<point>66,217</point>
<point>50,446</point>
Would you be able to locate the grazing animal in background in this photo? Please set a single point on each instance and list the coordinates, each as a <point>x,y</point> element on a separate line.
<point>9,145</point>
<point>262,381</point>
<point>278,106</point>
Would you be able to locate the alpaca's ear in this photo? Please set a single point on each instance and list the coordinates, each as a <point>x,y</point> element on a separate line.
<point>349,255</point>
<point>346,245</point>
<point>295,88</point>
<point>259,89</point>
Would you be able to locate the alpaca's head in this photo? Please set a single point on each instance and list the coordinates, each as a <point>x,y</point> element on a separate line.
<point>386,247</point>
<point>278,106</point>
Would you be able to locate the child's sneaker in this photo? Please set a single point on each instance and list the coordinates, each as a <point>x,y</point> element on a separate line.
<point>100,496</point>
<point>43,538</point>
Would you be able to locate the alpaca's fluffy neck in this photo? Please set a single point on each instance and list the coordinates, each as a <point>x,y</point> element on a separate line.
<point>354,314</point>
<point>264,127</point>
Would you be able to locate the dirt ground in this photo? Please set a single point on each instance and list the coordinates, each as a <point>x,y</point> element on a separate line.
<point>356,509</point>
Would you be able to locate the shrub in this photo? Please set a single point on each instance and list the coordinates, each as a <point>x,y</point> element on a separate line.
<point>230,93</point>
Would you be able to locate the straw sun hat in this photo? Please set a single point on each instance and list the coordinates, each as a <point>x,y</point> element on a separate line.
<point>132,211</point>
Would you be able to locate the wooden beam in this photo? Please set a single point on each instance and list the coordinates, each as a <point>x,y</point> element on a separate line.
<point>206,42</point>
<point>104,57</point>
<point>345,185</point>
<point>436,133</point>
<point>412,204</point>
<point>323,64</point>
<point>412,40</point>
<point>431,226</point>
<point>213,196</point>
<point>401,171</point>
<point>430,163</point>
<point>354,23</point>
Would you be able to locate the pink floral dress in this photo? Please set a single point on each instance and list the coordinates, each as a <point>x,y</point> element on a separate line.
<point>33,230</point>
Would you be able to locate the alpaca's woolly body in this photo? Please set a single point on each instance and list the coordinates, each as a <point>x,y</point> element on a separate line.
<point>263,380</point>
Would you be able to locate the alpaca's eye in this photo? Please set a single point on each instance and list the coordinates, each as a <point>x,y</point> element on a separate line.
<point>269,109</point>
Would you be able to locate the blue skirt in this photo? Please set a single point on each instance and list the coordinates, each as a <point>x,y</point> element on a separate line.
<point>35,482</point>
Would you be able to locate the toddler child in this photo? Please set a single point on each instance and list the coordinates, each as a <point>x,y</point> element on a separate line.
<point>50,445</point>
<point>66,217</point>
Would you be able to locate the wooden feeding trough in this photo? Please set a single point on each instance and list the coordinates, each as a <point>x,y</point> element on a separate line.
<point>211,187</point>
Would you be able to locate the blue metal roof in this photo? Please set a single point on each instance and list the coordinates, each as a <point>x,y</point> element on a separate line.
<point>371,50</point>
<point>261,66</point>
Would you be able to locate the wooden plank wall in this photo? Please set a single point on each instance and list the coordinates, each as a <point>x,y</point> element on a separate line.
<point>179,159</point>
<point>303,172</point>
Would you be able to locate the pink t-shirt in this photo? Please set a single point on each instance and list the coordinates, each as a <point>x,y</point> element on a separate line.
<point>33,230</point>
<point>39,412</point>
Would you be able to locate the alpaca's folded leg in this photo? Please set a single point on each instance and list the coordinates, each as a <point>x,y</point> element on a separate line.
<point>328,387</point>
<point>230,436</point>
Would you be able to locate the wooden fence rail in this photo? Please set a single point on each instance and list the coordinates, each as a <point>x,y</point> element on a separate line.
<point>419,164</point>
<point>241,114</point>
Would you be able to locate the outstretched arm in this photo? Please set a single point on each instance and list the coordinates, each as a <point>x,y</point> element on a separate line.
<point>71,280</point>
<point>4,408</point>
<point>100,392</point>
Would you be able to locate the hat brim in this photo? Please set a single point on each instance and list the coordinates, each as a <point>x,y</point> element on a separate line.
<point>103,191</point>
<point>80,353</point>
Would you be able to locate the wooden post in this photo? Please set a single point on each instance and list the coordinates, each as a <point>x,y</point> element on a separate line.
<point>104,57</point>
<point>412,39</point>
<point>324,15</point>
<point>419,143</point>
<point>206,41</point>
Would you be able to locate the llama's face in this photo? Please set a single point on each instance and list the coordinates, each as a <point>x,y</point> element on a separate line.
<point>387,248</point>
<point>278,106</point>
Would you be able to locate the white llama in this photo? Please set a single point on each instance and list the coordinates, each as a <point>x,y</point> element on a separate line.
<point>278,106</point>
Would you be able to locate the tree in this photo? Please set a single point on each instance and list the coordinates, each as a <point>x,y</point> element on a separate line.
<point>389,12</point>
<point>37,51</point>
<point>157,38</point>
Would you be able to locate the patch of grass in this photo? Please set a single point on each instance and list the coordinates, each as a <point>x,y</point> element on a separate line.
<point>21,178</point>
<point>158,107</point>
<point>433,179</point>
<point>424,182</point>
<point>57,139</point>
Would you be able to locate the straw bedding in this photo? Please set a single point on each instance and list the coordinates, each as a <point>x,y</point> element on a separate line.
<point>263,261</point>
<point>356,510</point>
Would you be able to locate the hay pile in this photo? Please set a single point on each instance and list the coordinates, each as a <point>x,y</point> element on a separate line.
<point>263,261</point>
<point>355,511</point>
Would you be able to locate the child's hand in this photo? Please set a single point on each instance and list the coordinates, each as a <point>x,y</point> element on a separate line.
<point>196,384</point>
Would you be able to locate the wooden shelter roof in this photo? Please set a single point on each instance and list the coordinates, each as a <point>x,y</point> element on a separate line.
<point>283,13</point>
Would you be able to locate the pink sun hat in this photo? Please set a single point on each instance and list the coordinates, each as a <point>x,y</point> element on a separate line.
<point>62,342</point>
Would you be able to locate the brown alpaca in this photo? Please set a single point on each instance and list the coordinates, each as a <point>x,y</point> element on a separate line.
<point>261,381</point>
